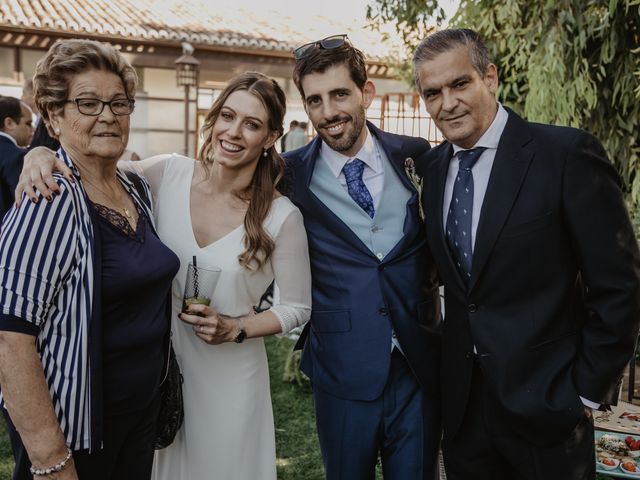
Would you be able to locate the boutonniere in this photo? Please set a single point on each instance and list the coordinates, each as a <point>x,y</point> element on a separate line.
<point>416,181</point>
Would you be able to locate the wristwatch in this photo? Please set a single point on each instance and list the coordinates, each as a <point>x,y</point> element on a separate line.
<point>242,333</point>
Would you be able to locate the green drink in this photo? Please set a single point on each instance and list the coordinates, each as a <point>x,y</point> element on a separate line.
<point>194,301</point>
<point>200,285</point>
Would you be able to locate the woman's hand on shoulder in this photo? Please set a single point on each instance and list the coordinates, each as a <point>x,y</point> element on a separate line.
<point>209,326</point>
<point>37,175</point>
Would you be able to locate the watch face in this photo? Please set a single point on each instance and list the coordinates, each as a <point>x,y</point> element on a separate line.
<point>241,336</point>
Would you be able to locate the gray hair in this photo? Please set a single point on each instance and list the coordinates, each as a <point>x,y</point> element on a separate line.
<point>450,39</point>
<point>68,58</point>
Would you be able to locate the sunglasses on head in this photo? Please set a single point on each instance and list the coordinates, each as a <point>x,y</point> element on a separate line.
<point>328,43</point>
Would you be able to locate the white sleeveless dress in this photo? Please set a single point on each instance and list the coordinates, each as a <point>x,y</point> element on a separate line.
<point>228,431</point>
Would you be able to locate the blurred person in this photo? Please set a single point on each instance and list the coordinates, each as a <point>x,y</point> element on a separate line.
<point>84,287</point>
<point>28,98</point>
<point>227,211</point>
<point>41,136</point>
<point>529,230</point>
<point>16,132</point>
<point>303,127</point>
<point>372,346</point>
<point>296,138</point>
<point>292,126</point>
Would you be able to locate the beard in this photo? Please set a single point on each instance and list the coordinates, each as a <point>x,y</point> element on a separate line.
<point>347,139</point>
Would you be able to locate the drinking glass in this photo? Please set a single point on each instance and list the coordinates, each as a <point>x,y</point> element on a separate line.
<point>200,285</point>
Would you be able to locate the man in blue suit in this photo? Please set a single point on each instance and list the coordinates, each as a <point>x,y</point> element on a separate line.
<point>15,132</point>
<point>371,348</point>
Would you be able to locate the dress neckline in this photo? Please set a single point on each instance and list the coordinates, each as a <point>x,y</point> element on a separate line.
<point>190,218</point>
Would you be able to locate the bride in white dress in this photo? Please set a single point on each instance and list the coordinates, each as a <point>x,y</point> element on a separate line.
<point>226,211</point>
<point>206,209</point>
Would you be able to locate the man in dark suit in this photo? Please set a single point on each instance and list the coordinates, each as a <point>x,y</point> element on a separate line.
<point>41,137</point>
<point>533,243</point>
<point>15,132</point>
<point>372,349</point>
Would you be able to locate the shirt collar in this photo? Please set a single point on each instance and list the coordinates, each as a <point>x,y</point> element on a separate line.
<point>367,153</point>
<point>491,137</point>
<point>2,134</point>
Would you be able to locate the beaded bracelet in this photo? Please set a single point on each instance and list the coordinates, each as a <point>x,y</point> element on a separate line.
<point>40,472</point>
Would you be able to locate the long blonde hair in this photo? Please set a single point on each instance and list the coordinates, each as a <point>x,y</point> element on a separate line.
<point>258,244</point>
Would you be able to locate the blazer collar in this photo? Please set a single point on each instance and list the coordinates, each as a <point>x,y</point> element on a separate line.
<point>510,167</point>
<point>436,178</point>
<point>392,146</point>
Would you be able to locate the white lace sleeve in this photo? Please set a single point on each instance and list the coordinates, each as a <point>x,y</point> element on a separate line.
<point>292,273</point>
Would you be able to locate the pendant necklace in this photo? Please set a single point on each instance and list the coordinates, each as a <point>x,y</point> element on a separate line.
<point>127,212</point>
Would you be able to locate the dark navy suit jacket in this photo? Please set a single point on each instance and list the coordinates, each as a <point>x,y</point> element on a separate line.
<point>553,302</point>
<point>11,157</point>
<point>357,298</point>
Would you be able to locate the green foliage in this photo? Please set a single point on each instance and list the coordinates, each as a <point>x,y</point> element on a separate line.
<point>565,62</point>
<point>6,459</point>
<point>296,440</point>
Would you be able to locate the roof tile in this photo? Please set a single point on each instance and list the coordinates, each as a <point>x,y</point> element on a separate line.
<point>199,21</point>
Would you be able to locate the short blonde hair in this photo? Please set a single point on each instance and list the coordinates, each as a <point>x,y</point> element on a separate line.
<point>68,58</point>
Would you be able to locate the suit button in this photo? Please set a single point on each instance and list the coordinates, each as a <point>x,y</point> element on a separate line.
<point>381,268</point>
<point>473,308</point>
<point>468,355</point>
<point>382,311</point>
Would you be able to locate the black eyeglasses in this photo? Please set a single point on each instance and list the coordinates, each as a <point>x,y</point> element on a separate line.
<point>329,43</point>
<point>94,107</point>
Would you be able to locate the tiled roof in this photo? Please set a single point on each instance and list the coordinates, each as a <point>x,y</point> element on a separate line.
<point>199,22</point>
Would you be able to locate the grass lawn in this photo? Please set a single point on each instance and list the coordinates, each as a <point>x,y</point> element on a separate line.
<point>296,441</point>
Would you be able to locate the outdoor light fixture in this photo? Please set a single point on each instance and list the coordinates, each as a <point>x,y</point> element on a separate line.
<point>187,68</point>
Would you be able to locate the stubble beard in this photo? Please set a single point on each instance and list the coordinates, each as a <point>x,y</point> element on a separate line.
<point>350,137</point>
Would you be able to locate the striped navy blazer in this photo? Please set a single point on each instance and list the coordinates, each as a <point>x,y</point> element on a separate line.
<point>50,284</point>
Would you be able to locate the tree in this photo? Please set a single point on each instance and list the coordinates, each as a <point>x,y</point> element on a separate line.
<point>565,62</point>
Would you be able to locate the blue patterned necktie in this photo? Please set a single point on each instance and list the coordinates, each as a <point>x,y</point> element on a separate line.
<point>458,226</point>
<point>356,187</point>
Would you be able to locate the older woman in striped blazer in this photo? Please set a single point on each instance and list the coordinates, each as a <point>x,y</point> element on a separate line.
<point>84,284</point>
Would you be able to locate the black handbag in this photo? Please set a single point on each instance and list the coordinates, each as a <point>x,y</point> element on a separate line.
<point>171,405</point>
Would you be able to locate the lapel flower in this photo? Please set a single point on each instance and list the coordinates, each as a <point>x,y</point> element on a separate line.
<point>416,181</point>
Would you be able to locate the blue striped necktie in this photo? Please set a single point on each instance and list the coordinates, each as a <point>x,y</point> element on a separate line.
<point>458,228</point>
<point>356,187</point>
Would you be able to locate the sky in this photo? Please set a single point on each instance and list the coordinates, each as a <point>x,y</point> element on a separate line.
<point>305,13</point>
<point>346,8</point>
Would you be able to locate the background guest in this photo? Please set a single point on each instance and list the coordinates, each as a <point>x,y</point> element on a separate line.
<point>16,132</point>
<point>292,126</point>
<point>296,138</point>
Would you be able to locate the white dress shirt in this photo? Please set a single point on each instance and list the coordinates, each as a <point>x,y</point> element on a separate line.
<point>2,134</point>
<point>373,174</point>
<point>481,170</point>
